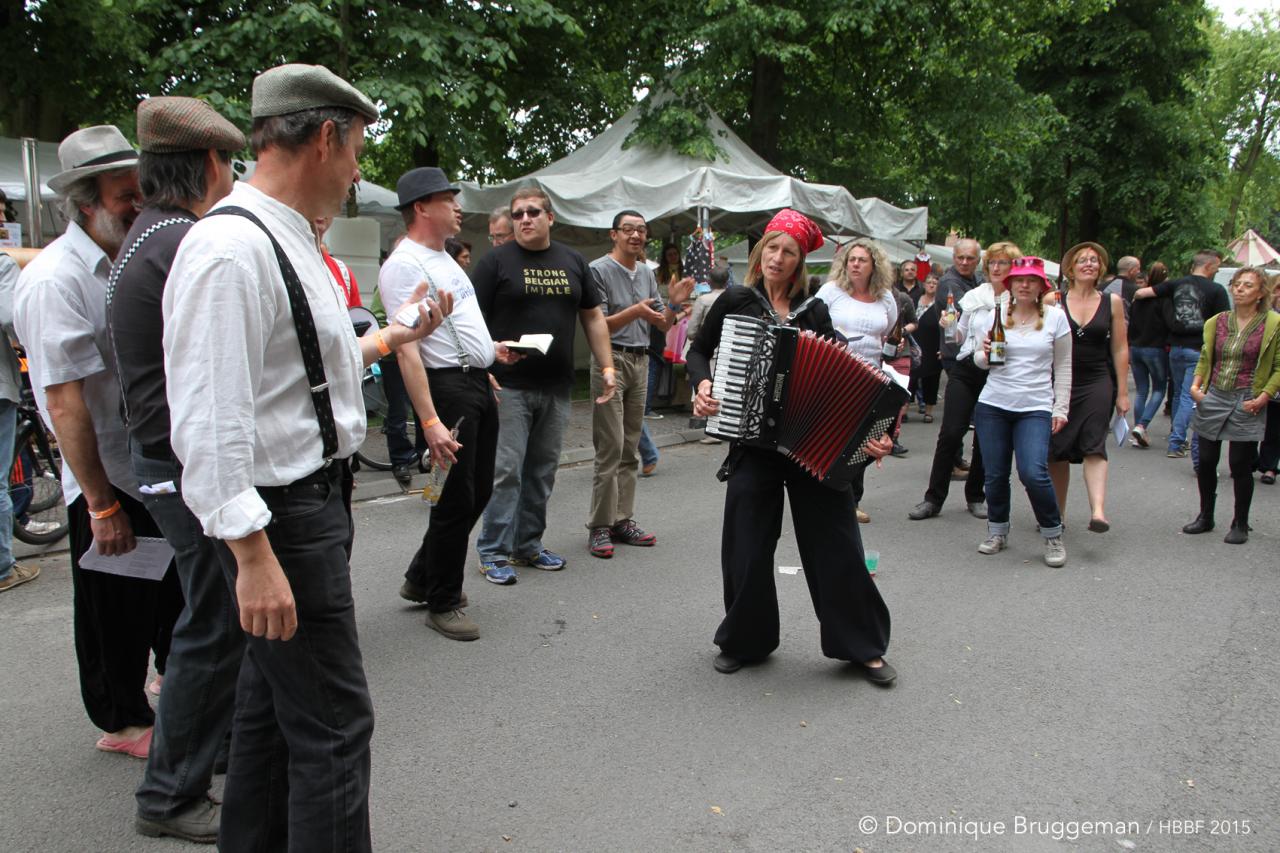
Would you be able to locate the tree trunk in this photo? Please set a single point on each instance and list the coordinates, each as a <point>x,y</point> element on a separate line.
<point>1242,169</point>
<point>766,107</point>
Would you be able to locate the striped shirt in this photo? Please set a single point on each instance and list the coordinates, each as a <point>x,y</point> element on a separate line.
<point>1236,352</point>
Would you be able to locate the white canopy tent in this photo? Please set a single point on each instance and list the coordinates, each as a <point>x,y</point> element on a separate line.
<point>739,193</point>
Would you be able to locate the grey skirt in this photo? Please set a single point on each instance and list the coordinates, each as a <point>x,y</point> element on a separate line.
<point>1220,416</point>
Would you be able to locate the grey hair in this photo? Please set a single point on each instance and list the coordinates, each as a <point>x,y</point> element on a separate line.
<point>499,214</point>
<point>78,195</point>
<point>1127,263</point>
<point>293,130</point>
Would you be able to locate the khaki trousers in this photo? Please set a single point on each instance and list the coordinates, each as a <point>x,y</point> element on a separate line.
<point>615,433</point>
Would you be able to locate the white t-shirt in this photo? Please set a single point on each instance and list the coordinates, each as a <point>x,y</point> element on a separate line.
<point>402,272</point>
<point>865,324</point>
<point>1024,383</point>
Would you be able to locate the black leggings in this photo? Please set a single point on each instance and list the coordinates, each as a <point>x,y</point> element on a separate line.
<point>1240,460</point>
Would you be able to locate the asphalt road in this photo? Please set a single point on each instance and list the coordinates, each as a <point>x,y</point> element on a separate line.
<point>1138,684</point>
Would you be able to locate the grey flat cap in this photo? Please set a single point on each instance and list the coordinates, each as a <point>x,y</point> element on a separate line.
<point>170,124</point>
<point>295,87</point>
<point>91,151</point>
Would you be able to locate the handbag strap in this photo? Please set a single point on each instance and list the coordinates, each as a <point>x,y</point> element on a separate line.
<point>308,340</point>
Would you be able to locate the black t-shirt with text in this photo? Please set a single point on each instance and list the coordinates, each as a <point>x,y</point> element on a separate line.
<point>525,292</point>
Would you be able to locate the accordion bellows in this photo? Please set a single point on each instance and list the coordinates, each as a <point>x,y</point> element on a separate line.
<point>807,397</point>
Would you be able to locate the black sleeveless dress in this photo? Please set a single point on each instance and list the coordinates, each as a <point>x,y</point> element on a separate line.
<point>1093,389</point>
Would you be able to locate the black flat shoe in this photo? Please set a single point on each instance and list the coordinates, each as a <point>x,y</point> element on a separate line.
<point>1097,525</point>
<point>726,663</point>
<point>1200,525</point>
<point>1237,535</point>
<point>882,675</point>
<point>1268,479</point>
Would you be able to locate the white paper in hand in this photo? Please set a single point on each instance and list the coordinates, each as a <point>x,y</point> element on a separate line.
<point>149,561</point>
<point>1120,429</point>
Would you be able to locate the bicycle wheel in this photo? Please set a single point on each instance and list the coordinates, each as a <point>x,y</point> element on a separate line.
<point>35,487</point>
<point>373,453</point>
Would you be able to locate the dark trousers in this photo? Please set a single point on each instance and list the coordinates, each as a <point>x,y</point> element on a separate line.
<point>194,715</point>
<point>1269,449</point>
<point>395,424</point>
<point>299,772</point>
<point>439,563</point>
<point>964,383</point>
<point>119,622</point>
<point>1240,460</point>
<point>853,617</point>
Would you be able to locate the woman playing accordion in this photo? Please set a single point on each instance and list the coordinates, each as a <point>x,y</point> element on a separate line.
<point>854,619</point>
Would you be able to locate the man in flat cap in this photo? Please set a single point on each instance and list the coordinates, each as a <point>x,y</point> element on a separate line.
<point>184,167</point>
<point>265,406</point>
<point>447,377</point>
<point>60,308</point>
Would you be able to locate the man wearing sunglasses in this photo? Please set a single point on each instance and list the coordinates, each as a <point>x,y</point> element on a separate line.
<point>533,285</point>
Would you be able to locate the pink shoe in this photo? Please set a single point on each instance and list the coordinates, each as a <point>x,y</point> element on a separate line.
<point>138,747</point>
<point>154,687</point>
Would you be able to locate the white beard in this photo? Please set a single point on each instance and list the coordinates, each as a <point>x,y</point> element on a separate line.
<point>108,231</point>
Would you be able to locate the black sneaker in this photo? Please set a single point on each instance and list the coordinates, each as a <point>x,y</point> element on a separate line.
<point>403,475</point>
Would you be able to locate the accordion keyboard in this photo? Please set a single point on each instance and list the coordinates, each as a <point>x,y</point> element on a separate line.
<point>741,342</point>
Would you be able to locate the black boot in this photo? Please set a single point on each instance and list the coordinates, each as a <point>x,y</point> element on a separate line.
<point>1238,534</point>
<point>1202,524</point>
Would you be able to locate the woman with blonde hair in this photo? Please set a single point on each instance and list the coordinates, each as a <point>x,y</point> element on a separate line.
<point>1237,376</point>
<point>853,617</point>
<point>1099,355</point>
<point>859,295</point>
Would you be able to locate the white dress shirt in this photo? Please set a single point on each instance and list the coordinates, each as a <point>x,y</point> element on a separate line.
<point>60,315</point>
<point>239,399</point>
<point>403,271</point>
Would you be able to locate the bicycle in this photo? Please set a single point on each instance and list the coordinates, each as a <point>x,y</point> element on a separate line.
<point>35,481</point>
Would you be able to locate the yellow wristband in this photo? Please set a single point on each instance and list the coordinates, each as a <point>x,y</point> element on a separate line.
<point>106,513</point>
<point>384,348</point>
<point>429,424</point>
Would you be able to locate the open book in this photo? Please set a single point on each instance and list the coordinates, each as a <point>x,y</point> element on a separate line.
<point>529,344</point>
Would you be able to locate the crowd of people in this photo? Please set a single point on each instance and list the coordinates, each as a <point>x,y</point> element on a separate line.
<point>190,346</point>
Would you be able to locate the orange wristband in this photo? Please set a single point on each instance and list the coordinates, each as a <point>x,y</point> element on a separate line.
<point>106,513</point>
<point>383,347</point>
<point>429,424</point>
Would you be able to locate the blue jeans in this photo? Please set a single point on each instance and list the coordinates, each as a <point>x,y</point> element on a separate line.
<point>1182,366</point>
<point>8,424</point>
<point>1025,436</point>
<point>655,369</point>
<point>204,657</point>
<point>530,435</point>
<point>648,450</point>
<point>1151,375</point>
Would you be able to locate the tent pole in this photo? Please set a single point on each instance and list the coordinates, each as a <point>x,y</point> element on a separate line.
<point>31,182</point>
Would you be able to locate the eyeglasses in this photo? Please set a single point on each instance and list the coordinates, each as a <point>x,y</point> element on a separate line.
<point>496,238</point>
<point>632,229</point>
<point>531,212</point>
<point>999,262</point>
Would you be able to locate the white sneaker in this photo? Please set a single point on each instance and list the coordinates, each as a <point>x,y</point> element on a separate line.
<point>995,543</point>
<point>1055,553</point>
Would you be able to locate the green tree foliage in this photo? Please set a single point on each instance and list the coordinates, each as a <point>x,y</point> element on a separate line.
<point>1130,164</point>
<point>1241,102</point>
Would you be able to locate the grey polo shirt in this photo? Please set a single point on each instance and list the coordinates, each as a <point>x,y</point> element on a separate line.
<point>620,288</point>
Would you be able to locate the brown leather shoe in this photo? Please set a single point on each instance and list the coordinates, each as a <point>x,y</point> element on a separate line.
<point>454,624</point>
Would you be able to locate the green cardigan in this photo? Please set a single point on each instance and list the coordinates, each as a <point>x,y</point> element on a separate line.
<point>1266,376</point>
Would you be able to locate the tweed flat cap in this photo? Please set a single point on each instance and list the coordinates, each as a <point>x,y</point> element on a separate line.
<point>295,87</point>
<point>166,125</point>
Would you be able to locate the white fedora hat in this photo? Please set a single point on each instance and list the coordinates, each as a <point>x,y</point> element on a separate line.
<point>91,151</point>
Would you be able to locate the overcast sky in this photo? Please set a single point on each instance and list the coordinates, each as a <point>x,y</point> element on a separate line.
<point>1237,12</point>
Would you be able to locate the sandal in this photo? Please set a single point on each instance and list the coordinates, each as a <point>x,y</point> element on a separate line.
<point>928,419</point>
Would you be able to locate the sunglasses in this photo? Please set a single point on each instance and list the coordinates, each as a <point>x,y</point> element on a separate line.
<point>531,212</point>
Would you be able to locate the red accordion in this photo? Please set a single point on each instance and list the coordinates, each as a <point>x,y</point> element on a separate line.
<point>807,397</point>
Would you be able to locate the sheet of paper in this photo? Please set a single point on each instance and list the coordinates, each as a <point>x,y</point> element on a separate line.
<point>1120,429</point>
<point>530,344</point>
<point>149,561</point>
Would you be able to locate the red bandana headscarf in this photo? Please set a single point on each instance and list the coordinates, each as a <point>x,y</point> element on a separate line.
<point>799,226</point>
